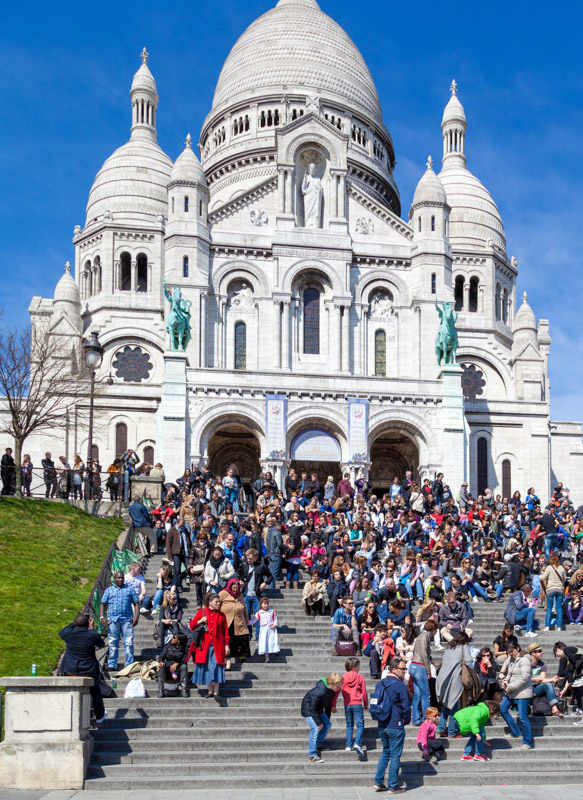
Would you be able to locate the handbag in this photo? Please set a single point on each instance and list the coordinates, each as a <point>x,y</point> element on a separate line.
<point>346,649</point>
<point>198,633</point>
<point>541,707</point>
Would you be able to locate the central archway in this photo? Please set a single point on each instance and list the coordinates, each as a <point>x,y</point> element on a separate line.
<point>315,450</point>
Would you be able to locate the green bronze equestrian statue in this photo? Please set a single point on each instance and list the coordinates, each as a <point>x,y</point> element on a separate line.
<point>446,342</point>
<point>178,319</point>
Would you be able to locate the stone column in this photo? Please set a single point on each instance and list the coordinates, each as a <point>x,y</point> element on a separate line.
<point>300,324</point>
<point>337,341</point>
<point>454,448</point>
<point>116,276</point>
<point>134,276</point>
<point>171,414</point>
<point>346,339</point>
<point>467,296</point>
<point>364,340</point>
<point>286,349</point>
<point>289,173</point>
<point>202,330</point>
<point>281,190</point>
<point>342,197</point>
<point>47,742</point>
<point>277,334</point>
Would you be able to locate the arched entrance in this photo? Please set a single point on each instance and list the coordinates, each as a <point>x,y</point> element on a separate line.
<point>392,453</point>
<point>235,443</point>
<point>316,451</point>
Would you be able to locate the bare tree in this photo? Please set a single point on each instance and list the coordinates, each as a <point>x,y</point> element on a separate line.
<point>40,385</point>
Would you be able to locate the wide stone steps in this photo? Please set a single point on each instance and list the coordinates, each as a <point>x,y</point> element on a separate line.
<point>176,743</point>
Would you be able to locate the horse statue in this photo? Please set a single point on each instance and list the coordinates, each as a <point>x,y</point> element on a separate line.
<point>446,342</point>
<point>178,319</point>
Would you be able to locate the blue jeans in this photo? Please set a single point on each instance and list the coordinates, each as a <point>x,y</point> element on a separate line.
<point>354,716</point>
<point>252,606</point>
<point>317,737</point>
<point>448,714</point>
<point>158,597</point>
<point>554,599</point>
<point>409,586</point>
<point>233,497</point>
<point>499,589</point>
<point>421,696</point>
<point>392,740</point>
<point>115,628</point>
<point>274,568</point>
<point>525,615</point>
<point>293,572</point>
<point>476,588</point>
<point>523,706</point>
<point>546,690</point>
<point>551,543</point>
<point>474,745</point>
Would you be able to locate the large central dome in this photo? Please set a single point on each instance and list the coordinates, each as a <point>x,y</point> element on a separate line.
<point>295,46</point>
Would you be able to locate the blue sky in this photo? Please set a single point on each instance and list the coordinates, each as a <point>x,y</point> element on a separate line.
<point>66,70</point>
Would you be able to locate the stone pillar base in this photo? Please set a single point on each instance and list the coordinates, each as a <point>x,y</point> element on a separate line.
<point>47,742</point>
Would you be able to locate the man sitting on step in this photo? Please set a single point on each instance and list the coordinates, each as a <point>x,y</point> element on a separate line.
<point>344,627</point>
<point>172,666</point>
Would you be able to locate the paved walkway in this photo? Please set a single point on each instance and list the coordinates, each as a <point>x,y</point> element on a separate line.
<point>511,792</point>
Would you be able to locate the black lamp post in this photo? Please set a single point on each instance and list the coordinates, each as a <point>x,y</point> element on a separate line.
<point>93,358</point>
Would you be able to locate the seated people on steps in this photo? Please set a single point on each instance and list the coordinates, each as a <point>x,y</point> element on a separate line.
<point>172,667</point>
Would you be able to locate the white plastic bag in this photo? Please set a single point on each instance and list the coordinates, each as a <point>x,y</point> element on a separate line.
<point>135,688</point>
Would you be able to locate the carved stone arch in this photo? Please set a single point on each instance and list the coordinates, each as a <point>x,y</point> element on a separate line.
<point>306,138</point>
<point>112,424</point>
<point>244,270</point>
<point>217,415</point>
<point>134,249</point>
<point>378,279</point>
<point>478,355</point>
<point>131,336</point>
<point>315,264</point>
<point>411,424</point>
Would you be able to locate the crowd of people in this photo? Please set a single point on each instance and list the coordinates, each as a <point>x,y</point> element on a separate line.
<point>399,574</point>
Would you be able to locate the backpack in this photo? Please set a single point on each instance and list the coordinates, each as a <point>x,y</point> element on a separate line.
<point>380,704</point>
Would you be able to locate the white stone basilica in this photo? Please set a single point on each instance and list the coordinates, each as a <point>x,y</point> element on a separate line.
<point>313,303</point>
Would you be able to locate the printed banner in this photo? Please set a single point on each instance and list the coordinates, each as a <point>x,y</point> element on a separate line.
<point>276,424</point>
<point>357,428</point>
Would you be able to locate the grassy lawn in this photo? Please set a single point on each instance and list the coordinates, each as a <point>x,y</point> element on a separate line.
<point>50,555</point>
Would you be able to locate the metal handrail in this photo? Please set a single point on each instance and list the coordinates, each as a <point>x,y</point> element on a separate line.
<point>61,485</point>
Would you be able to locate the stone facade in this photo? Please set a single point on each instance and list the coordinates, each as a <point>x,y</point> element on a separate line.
<point>305,281</point>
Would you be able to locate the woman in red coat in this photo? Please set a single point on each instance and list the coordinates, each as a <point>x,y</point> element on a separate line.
<point>209,659</point>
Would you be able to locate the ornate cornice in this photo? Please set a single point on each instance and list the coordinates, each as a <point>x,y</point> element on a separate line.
<point>380,211</point>
<point>243,201</point>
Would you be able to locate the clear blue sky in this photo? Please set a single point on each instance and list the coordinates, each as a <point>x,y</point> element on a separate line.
<point>66,70</point>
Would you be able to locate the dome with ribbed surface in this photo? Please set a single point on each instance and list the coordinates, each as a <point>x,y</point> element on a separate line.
<point>295,47</point>
<point>187,168</point>
<point>474,218</point>
<point>132,184</point>
<point>429,189</point>
<point>67,290</point>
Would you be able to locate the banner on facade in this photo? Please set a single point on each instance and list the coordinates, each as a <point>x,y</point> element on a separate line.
<point>275,424</point>
<point>357,429</point>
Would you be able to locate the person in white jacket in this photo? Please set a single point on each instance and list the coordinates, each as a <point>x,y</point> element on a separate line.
<point>218,570</point>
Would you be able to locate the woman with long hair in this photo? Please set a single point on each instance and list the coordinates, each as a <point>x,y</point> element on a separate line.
<point>449,686</point>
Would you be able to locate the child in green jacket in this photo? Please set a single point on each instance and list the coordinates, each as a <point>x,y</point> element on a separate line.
<point>472,720</point>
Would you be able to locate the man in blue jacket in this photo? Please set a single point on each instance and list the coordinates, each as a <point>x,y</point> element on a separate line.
<point>518,610</point>
<point>392,730</point>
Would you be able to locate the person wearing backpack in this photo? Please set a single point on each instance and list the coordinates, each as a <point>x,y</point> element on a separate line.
<point>314,705</point>
<point>390,707</point>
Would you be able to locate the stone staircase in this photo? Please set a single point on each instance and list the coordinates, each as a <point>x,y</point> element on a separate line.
<point>259,739</point>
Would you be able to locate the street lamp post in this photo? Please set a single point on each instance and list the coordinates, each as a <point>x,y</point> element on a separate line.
<point>93,358</point>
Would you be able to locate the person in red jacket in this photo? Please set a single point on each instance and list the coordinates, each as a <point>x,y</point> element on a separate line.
<point>355,698</point>
<point>209,658</point>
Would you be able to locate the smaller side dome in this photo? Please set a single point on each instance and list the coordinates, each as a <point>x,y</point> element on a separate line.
<point>66,290</point>
<point>430,188</point>
<point>525,319</point>
<point>187,168</point>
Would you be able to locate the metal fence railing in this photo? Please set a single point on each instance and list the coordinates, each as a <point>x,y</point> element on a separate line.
<point>71,484</point>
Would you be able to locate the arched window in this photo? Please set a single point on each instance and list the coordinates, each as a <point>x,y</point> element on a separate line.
<point>482,464</point>
<point>505,306</point>
<point>312,321</point>
<point>121,439</point>
<point>186,204</point>
<point>97,275</point>
<point>185,267</point>
<point>240,345</point>
<point>87,275</point>
<point>95,452</point>
<point>459,293</point>
<point>142,273</point>
<point>506,478</point>
<point>432,223</point>
<point>200,208</point>
<point>173,205</point>
<point>126,272</point>
<point>419,224</point>
<point>433,283</point>
<point>497,300</point>
<point>149,454</point>
<point>380,354</point>
<point>474,283</point>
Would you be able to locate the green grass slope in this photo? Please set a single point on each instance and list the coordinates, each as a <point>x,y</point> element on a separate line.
<point>50,555</point>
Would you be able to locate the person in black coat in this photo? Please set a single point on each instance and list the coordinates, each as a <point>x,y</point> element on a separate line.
<point>173,661</point>
<point>8,472</point>
<point>315,710</point>
<point>80,660</point>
